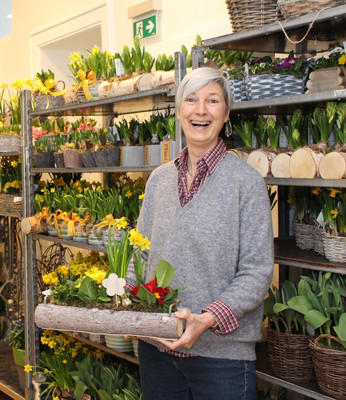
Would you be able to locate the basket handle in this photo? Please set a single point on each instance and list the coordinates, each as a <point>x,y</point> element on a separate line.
<point>327,336</point>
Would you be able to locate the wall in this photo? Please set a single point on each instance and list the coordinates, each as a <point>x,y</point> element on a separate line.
<point>45,32</point>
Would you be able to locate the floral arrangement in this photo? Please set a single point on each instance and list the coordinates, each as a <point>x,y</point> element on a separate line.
<point>335,58</point>
<point>11,175</point>
<point>16,337</point>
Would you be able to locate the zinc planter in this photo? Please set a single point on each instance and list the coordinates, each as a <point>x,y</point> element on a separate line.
<point>119,343</point>
<point>44,160</point>
<point>131,156</point>
<point>152,154</point>
<point>19,360</point>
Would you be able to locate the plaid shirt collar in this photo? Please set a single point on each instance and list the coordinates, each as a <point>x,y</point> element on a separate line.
<point>207,163</point>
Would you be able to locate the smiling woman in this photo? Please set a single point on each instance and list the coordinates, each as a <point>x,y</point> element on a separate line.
<point>5,18</point>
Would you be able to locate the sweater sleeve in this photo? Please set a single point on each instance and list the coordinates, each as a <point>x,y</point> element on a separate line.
<point>255,249</point>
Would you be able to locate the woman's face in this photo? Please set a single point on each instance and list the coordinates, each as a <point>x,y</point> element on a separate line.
<point>202,115</point>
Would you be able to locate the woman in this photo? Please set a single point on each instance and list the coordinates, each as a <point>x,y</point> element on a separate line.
<point>208,214</point>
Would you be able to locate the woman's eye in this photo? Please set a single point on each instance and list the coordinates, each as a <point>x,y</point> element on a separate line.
<point>213,101</point>
<point>190,99</point>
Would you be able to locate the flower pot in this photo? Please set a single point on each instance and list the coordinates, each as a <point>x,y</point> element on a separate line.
<point>131,156</point>
<point>106,157</point>
<point>167,151</point>
<point>19,360</point>
<point>106,233</point>
<point>72,159</point>
<point>64,234</point>
<point>80,238</point>
<point>44,160</point>
<point>94,240</point>
<point>52,231</point>
<point>119,343</point>
<point>152,154</point>
<point>59,160</point>
<point>87,158</point>
<point>41,101</point>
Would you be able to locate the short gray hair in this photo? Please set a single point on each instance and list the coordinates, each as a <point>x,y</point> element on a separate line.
<point>200,77</point>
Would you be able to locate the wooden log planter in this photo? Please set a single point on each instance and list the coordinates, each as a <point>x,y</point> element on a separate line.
<point>333,165</point>
<point>304,163</point>
<point>122,87</point>
<point>261,160</point>
<point>108,322</point>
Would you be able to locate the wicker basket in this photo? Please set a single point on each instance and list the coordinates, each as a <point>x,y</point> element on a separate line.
<point>295,8</point>
<point>330,367</point>
<point>9,144</point>
<point>304,235</point>
<point>334,247</point>
<point>289,356</point>
<point>251,14</point>
<point>318,239</point>
<point>11,204</point>
<point>54,101</point>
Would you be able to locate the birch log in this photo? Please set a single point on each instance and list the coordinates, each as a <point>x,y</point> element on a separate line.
<point>239,153</point>
<point>333,166</point>
<point>280,166</point>
<point>126,86</point>
<point>105,322</point>
<point>32,225</point>
<point>161,78</point>
<point>304,163</point>
<point>261,161</point>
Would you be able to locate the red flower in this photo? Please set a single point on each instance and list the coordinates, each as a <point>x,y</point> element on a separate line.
<point>151,286</point>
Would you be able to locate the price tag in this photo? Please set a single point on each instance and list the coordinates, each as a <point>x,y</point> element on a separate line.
<point>119,68</point>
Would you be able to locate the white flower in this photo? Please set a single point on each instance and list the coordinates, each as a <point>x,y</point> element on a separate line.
<point>114,285</point>
<point>47,292</point>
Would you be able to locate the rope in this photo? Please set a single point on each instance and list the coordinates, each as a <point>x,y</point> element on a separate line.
<point>306,34</point>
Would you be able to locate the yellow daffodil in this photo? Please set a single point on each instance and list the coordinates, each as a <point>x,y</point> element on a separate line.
<point>14,163</point>
<point>19,84</point>
<point>316,191</point>
<point>52,190</point>
<point>27,368</point>
<point>342,60</point>
<point>334,192</point>
<point>3,86</point>
<point>141,196</point>
<point>63,270</point>
<point>334,213</point>
<point>129,194</point>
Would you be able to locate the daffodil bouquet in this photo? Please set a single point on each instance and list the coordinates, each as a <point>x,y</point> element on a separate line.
<point>334,209</point>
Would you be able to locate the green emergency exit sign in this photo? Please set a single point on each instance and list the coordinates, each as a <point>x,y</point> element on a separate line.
<point>145,27</point>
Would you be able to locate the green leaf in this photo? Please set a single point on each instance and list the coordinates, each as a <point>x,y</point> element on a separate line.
<point>301,304</point>
<point>315,318</point>
<point>87,291</point>
<point>279,307</point>
<point>164,273</point>
<point>145,296</point>
<point>340,329</point>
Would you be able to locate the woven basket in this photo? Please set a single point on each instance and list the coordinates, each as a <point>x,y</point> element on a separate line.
<point>251,14</point>
<point>304,235</point>
<point>10,144</point>
<point>318,239</point>
<point>289,356</point>
<point>41,101</point>
<point>330,367</point>
<point>295,8</point>
<point>11,204</point>
<point>238,90</point>
<point>334,247</point>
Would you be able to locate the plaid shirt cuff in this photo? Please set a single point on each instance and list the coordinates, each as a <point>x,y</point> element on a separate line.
<point>129,286</point>
<point>224,317</point>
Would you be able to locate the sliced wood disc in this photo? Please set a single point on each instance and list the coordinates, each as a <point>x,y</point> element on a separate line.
<point>261,160</point>
<point>333,165</point>
<point>304,163</point>
<point>280,167</point>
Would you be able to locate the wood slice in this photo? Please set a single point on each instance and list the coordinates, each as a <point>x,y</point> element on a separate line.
<point>126,86</point>
<point>333,166</point>
<point>239,153</point>
<point>304,163</point>
<point>261,161</point>
<point>32,225</point>
<point>280,167</point>
<point>101,321</point>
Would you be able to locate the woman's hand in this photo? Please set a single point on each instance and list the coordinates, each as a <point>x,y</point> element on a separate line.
<point>195,325</point>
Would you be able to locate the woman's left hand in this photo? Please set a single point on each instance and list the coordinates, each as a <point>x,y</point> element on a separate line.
<point>195,325</point>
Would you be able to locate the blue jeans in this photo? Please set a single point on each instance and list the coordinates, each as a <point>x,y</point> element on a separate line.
<point>167,377</point>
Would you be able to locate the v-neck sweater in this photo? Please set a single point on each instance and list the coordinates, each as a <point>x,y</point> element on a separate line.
<point>220,245</point>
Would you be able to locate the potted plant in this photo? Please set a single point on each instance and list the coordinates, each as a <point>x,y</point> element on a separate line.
<point>16,340</point>
<point>287,338</point>
<point>43,153</point>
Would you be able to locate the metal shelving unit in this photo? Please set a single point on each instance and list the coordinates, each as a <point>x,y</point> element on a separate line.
<point>326,27</point>
<point>102,107</point>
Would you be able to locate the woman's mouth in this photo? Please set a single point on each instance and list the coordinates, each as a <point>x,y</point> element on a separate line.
<point>200,123</point>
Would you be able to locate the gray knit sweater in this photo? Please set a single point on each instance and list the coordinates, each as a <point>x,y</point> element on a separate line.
<point>220,245</point>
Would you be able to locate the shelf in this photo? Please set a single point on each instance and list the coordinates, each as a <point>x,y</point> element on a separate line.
<point>124,356</point>
<point>316,182</point>
<point>328,27</point>
<point>288,104</point>
<point>9,381</point>
<point>101,107</point>
<point>142,168</point>
<point>10,153</point>
<point>287,253</point>
<point>72,243</point>
<point>265,373</point>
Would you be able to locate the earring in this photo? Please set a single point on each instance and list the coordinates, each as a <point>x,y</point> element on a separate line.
<point>229,129</point>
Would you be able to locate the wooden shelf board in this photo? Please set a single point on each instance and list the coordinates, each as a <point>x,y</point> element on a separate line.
<point>9,381</point>
<point>142,168</point>
<point>70,243</point>
<point>287,253</point>
<point>124,356</point>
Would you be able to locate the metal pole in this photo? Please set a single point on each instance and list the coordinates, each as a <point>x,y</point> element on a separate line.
<point>30,277</point>
<point>180,72</point>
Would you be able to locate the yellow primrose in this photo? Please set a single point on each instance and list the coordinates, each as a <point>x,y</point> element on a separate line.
<point>97,275</point>
<point>342,60</point>
<point>141,196</point>
<point>333,192</point>
<point>316,191</point>
<point>15,184</point>
<point>7,185</point>
<point>63,269</point>
<point>64,362</point>
<point>52,190</point>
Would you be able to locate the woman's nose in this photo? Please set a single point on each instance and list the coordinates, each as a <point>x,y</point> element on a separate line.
<point>200,107</point>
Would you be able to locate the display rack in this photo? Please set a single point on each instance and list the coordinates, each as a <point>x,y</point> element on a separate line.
<point>160,99</point>
<point>327,27</point>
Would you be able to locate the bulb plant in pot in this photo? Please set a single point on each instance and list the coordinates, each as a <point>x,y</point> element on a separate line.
<point>16,341</point>
<point>43,153</point>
